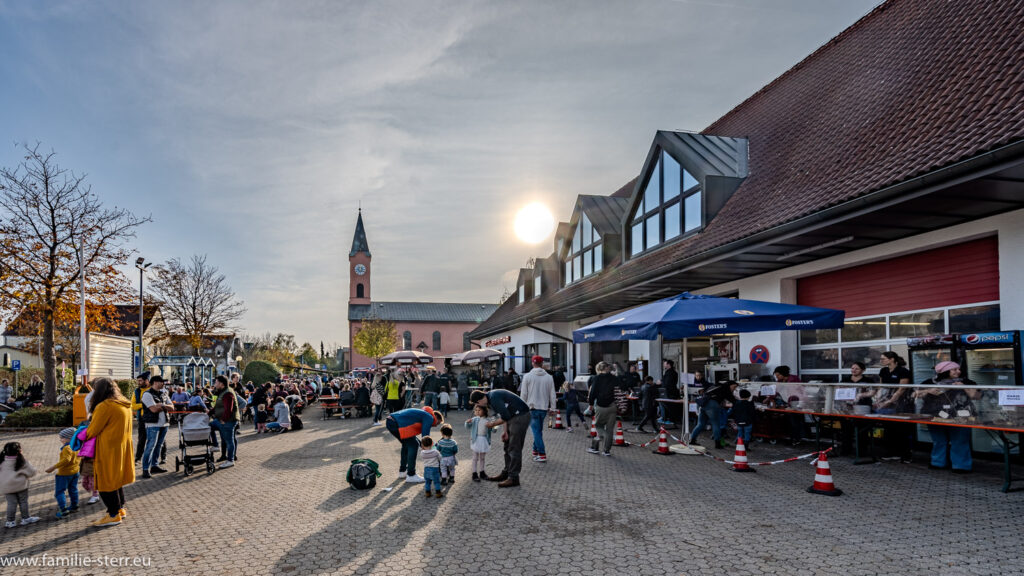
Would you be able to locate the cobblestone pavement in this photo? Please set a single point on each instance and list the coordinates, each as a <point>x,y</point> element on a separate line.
<point>285,508</point>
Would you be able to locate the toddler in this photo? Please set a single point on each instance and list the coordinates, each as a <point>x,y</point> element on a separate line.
<point>15,472</point>
<point>66,480</point>
<point>448,448</point>
<point>86,450</point>
<point>261,418</point>
<point>431,467</point>
<point>443,399</point>
<point>479,441</point>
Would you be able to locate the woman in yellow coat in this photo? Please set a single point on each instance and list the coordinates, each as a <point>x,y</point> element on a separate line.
<point>111,426</point>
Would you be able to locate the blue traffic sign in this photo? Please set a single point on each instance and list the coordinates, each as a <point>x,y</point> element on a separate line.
<point>15,365</point>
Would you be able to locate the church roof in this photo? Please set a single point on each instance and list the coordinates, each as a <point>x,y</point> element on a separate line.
<point>359,239</point>
<point>421,312</point>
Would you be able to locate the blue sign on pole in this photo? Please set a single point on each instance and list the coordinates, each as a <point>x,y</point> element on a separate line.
<point>15,365</point>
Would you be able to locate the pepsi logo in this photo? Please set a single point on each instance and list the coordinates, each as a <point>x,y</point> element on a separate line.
<point>972,339</point>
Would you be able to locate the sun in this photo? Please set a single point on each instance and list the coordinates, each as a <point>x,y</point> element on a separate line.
<point>534,223</point>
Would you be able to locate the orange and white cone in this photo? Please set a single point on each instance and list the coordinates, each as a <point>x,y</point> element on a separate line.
<point>593,427</point>
<point>663,443</point>
<point>740,460</point>
<point>823,479</point>
<point>558,421</point>
<point>620,439</point>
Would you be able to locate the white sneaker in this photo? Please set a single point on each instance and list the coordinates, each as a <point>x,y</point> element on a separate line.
<point>568,429</point>
<point>593,450</point>
<point>29,520</point>
<point>10,524</point>
<point>402,475</point>
<point>226,464</point>
<point>414,479</point>
<point>378,423</point>
<point>93,500</point>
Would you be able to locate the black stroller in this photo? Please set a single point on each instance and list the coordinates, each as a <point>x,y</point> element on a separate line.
<point>194,432</point>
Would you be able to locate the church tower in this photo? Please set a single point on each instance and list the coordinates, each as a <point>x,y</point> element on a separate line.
<point>359,267</point>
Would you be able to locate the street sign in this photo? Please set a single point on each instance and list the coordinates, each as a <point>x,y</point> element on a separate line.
<point>15,365</point>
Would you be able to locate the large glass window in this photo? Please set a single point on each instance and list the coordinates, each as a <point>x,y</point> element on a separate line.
<point>522,293</point>
<point>598,257</point>
<point>584,254</point>
<point>536,284</point>
<point>671,205</point>
<point>828,354</point>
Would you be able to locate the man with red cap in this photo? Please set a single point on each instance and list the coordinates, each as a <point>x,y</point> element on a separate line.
<point>538,391</point>
<point>406,425</point>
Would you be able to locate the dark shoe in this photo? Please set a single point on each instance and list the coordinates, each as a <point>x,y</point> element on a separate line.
<point>157,470</point>
<point>73,509</point>
<point>222,459</point>
<point>499,478</point>
<point>960,471</point>
<point>438,494</point>
<point>146,474</point>
<point>484,476</point>
<point>476,477</point>
<point>509,483</point>
<point>451,481</point>
<point>428,494</point>
<point>444,481</point>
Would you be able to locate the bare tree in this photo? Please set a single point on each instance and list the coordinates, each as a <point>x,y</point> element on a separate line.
<point>50,222</point>
<point>196,299</point>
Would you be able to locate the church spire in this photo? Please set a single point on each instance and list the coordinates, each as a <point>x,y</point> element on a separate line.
<point>359,240</point>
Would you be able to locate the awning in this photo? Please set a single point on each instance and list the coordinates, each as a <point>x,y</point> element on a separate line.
<point>688,315</point>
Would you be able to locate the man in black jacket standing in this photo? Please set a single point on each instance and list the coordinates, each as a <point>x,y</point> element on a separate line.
<point>714,399</point>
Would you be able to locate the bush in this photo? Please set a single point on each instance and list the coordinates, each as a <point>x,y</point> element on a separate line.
<point>127,387</point>
<point>260,371</point>
<point>44,417</point>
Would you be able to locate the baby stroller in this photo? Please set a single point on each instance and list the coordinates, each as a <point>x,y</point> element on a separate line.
<point>194,431</point>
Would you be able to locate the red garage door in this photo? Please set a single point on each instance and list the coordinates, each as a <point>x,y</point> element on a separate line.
<point>959,274</point>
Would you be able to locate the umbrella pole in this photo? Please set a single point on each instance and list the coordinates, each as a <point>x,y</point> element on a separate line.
<point>680,448</point>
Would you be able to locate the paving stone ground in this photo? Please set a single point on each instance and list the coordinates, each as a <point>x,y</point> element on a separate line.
<point>285,508</point>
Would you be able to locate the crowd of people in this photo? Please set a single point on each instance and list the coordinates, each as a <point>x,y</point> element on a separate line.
<point>410,403</point>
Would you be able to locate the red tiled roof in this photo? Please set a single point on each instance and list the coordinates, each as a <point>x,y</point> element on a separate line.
<point>909,88</point>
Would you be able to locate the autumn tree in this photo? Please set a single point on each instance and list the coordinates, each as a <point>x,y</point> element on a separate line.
<point>375,338</point>
<point>52,228</point>
<point>307,355</point>
<point>195,299</point>
<point>277,348</point>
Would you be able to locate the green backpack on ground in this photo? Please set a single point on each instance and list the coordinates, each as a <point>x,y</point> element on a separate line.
<point>363,474</point>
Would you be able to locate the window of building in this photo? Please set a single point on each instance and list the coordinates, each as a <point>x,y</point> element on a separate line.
<point>827,355</point>
<point>536,284</point>
<point>359,291</point>
<point>407,340</point>
<point>465,341</point>
<point>437,340</point>
<point>671,206</point>
<point>522,293</point>
<point>584,257</point>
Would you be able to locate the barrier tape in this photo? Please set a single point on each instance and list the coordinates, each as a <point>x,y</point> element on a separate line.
<point>773,462</point>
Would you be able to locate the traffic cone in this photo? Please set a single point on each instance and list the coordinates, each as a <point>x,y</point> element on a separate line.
<point>593,427</point>
<point>558,421</point>
<point>663,443</point>
<point>620,439</point>
<point>823,479</point>
<point>740,459</point>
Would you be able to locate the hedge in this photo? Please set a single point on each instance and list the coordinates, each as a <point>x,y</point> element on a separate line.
<point>43,417</point>
<point>259,371</point>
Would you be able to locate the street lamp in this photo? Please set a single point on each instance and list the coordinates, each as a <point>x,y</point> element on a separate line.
<point>141,264</point>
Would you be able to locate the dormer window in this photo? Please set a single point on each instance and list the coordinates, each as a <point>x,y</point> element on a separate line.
<point>536,284</point>
<point>586,253</point>
<point>669,207</point>
<point>522,293</point>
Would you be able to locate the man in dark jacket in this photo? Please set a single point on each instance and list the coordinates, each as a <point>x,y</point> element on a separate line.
<point>431,388</point>
<point>713,400</point>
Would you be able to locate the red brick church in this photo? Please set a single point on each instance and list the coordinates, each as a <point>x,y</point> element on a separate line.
<point>435,328</point>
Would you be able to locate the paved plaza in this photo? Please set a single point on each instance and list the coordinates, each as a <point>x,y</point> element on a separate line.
<point>285,508</point>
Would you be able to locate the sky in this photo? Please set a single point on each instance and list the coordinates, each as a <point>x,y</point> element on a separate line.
<point>252,131</point>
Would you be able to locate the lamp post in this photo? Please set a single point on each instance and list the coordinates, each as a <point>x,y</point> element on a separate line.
<point>141,264</point>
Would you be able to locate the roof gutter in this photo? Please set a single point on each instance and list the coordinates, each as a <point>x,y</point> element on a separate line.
<point>957,173</point>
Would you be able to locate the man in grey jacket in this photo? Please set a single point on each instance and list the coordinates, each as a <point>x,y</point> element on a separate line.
<point>538,391</point>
